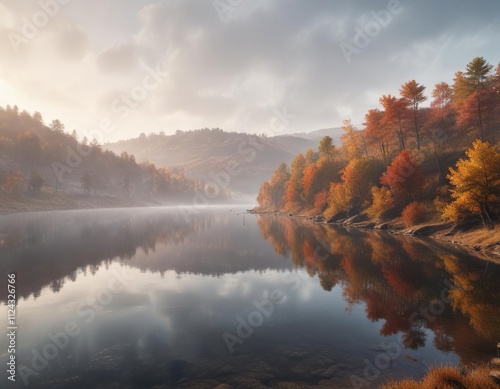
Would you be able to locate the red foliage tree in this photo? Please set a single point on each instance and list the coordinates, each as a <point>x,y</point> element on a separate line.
<point>404,177</point>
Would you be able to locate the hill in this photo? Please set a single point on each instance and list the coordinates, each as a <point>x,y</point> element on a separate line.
<point>334,132</point>
<point>242,161</point>
<point>44,167</point>
<point>421,164</point>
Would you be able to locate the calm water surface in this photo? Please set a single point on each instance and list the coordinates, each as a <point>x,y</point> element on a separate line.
<point>168,298</point>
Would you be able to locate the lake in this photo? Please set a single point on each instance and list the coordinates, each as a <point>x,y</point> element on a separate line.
<point>197,298</point>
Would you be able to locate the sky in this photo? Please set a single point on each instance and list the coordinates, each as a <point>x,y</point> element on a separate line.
<point>112,69</point>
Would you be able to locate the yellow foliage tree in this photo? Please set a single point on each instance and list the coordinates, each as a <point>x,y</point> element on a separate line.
<point>382,202</point>
<point>339,199</point>
<point>476,183</point>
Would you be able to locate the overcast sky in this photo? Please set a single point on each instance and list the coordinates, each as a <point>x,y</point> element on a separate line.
<point>145,66</point>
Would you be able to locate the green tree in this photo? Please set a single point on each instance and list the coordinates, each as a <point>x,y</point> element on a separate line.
<point>476,73</point>
<point>475,92</point>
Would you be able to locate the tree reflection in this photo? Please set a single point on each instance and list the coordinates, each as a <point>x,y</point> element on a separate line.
<point>400,279</point>
<point>47,249</point>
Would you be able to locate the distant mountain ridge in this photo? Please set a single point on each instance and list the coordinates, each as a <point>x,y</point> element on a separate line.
<point>240,161</point>
<point>334,132</point>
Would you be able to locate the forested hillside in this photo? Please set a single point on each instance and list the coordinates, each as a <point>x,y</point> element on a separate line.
<point>411,160</point>
<point>45,162</point>
<point>206,153</point>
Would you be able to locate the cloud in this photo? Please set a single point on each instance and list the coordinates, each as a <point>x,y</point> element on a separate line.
<point>72,42</point>
<point>118,59</point>
<point>232,73</point>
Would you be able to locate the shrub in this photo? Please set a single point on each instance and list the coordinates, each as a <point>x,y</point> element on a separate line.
<point>414,213</point>
<point>338,200</point>
<point>13,182</point>
<point>382,202</point>
<point>320,201</point>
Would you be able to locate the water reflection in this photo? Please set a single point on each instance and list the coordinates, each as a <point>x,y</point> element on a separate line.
<point>411,285</point>
<point>50,248</point>
<point>190,278</point>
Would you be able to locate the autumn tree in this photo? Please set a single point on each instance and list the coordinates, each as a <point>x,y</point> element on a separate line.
<point>394,116</point>
<point>294,191</point>
<point>476,184</point>
<point>311,156</point>
<point>359,176</point>
<point>13,182</point>
<point>440,121</point>
<point>382,202</point>
<point>310,179</point>
<point>264,196</point>
<point>477,112</point>
<point>326,148</point>
<point>413,95</point>
<point>339,199</point>
<point>460,89</point>
<point>353,140</point>
<point>310,183</point>
<point>404,177</point>
<point>376,132</point>
<point>271,194</point>
<point>278,183</point>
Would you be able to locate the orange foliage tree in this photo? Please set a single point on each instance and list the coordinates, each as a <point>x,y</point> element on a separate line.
<point>376,132</point>
<point>412,94</point>
<point>395,112</point>
<point>294,190</point>
<point>414,213</point>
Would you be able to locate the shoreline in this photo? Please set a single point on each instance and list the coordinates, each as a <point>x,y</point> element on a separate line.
<point>480,242</point>
<point>67,202</point>
<point>73,202</point>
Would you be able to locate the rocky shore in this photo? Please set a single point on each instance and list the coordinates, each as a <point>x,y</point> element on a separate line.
<point>471,236</point>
